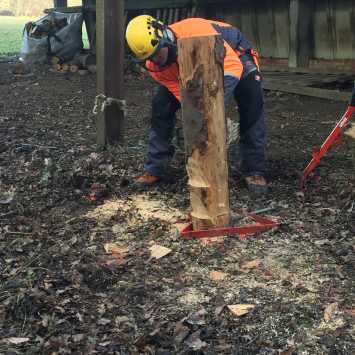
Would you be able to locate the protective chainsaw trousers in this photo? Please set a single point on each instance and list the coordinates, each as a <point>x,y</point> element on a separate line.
<point>249,97</point>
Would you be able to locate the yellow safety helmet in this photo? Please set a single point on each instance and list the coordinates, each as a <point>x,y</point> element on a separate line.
<point>145,36</point>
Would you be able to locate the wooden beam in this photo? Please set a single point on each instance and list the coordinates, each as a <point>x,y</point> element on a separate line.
<point>201,76</point>
<point>90,23</point>
<point>301,39</point>
<point>148,4</point>
<point>110,64</point>
<point>307,91</point>
<point>164,4</point>
<point>69,9</point>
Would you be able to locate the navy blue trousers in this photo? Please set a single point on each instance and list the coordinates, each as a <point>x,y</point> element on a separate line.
<point>249,97</point>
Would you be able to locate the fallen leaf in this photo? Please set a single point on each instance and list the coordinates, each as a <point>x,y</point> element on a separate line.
<point>113,262</point>
<point>254,264</point>
<point>17,340</point>
<point>268,273</point>
<point>219,310</point>
<point>288,351</point>
<point>5,200</point>
<point>217,276</point>
<point>351,131</point>
<point>197,318</point>
<point>194,341</point>
<point>300,195</point>
<point>105,343</point>
<point>212,240</point>
<point>240,309</point>
<point>329,311</point>
<point>158,251</point>
<point>78,337</point>
<point>115,248</point>
<point>181,226</point>
<point>180,332</point>
<point>103,321</point>
<point>116,258</point>
<point>350,312</point>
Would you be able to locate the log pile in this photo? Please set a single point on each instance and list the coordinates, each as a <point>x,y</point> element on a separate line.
<point>82,64</point>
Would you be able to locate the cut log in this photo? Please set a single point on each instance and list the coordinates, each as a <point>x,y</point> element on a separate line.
<point>57,67</point>
<point>83,72</point>
<point>19,69</point>
<point>64,68</point>
<point>73,68</point>
<point>55,60</point>
<point>201,83</point>
<point>92,69</point>
<point>87,59</point>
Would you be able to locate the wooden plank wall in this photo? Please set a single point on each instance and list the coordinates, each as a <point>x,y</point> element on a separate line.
<point>334,29</point>
<point>266,24</point>
<point>270,28</point>
<point>329,31</point>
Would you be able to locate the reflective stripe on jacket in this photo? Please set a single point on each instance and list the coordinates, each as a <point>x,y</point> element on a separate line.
<point>234,42</point>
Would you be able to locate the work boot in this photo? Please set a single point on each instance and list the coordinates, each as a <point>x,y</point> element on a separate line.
<point>146,179</point>
<point>256,184</point>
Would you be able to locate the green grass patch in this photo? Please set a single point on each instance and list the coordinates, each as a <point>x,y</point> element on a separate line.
<point>11,29</point>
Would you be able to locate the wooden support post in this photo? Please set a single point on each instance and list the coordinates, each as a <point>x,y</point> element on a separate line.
<point>301,39</point>
<point>201,82</point>
<point>110,64</point>
<point>90,22</point>
<point>60,3</point>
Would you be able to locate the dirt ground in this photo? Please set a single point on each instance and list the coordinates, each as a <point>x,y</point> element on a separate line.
<point>78,275</point>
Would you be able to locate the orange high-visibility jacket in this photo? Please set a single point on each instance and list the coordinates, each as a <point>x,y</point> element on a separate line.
<point>234,43</point>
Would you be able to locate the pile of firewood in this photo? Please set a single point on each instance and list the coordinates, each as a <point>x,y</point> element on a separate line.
<point>82,64</point>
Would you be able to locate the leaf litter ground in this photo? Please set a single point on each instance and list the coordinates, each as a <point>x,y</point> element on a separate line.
<point>77,271</point>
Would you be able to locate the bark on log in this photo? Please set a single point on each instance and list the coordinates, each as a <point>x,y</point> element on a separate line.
<point>87,59</point>
<point>73,68</point>
<point>201,83</point>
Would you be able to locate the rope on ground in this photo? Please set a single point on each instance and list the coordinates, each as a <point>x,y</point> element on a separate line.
<point>102,102</point>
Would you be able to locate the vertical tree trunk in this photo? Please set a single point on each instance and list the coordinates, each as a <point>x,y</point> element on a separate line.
<point>201,76</point>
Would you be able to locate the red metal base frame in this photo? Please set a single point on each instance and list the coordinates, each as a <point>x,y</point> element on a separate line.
<point>262,224</point>
<point>334,137</point>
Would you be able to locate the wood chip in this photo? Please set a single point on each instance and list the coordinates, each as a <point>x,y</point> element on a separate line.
<point>158,251</point>
<point>113,248</point>
<point>351,131</point>
<point>217,276</point>
<point>219,310</point>
<point>212,241</point>
<point>73,68</point>
<point>83,72</point>
<point>350,312</point>
<point>17,340</point>
<point>240,309</point>
<point>330,311</point>
<point>254,264</point>
<point>180,226</point>
<point>180,332</point>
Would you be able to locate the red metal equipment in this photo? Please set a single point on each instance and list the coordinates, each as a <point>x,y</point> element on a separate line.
<point>262,224</point>
<point>333,137</point>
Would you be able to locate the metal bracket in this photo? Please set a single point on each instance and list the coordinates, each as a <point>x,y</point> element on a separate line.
<point>262,224</point>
